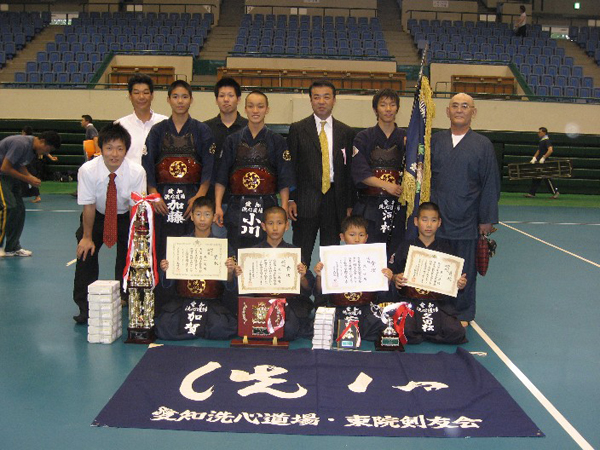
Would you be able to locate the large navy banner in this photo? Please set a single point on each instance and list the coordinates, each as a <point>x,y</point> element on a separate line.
<point>315,392</point>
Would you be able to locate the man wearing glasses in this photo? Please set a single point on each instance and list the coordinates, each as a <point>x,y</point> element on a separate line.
<point>465,183</point>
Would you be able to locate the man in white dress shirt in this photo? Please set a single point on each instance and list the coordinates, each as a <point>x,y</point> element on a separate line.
<point>138,124</point>
<point>92,188</point>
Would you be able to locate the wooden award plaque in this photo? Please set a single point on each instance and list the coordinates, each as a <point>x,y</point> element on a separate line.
<point>252,324</point>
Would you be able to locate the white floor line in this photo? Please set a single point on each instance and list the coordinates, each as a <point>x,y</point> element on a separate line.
<point>551,245</point>
<point>54,210</point>
<point>562,421</point>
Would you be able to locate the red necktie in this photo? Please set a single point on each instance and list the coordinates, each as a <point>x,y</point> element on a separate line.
<point>110,215</point>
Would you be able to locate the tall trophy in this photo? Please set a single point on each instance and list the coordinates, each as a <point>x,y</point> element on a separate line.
<point>140,276</point>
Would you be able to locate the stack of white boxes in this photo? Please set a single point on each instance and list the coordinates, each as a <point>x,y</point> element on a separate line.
<point>324,323</point>
<point>105,323</point>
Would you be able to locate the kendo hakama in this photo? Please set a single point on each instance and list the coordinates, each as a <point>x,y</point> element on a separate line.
<point>465,184</point>
<point>256,170</point>
<point>376,155</point>
<point>176,163</point>
<point>435,318</point>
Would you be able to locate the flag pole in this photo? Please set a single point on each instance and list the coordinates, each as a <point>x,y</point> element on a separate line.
<point>415,104</point>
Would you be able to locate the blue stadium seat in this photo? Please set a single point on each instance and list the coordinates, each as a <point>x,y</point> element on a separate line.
<point>552,70</point>
<point>20,77</point>
<point>542,91</point>
<point>585,92</point>
<point>556,91</point>
<point>547,80</point>
<point>48,77</point>
<point>587,82</point>
<point>525,69</point>
<point>538,69</point>
<point>62,77</point>
<point>560,81</point>
<point>577,71</point>
<point>574,82</point>
<point>570,91</point>
<point>31,66</point>
<point>34,77</point>
<point>533,80</point>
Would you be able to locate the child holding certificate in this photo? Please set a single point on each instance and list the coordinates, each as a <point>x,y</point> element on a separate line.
<point>354,306</point>
<point>435,316</point>
<point>202,308</point>
<point>298,322</point>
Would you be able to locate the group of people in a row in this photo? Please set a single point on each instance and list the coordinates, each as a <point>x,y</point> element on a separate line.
<point>325,178</point>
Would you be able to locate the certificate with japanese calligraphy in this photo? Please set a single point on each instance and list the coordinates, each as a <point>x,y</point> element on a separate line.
<point>433,271</point>
<point>269,270</point>
<point>353,268</point>
<point>193,258</point>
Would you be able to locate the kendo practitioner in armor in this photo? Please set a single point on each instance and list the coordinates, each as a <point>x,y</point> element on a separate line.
<point>178,161</point>
<point>377,168</point>
<point>256,165</point>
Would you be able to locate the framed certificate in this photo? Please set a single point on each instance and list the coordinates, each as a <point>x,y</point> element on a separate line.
<point>269,270</point>
<point>192,258</point>
<point>433,271</point>
<point>353,268</point>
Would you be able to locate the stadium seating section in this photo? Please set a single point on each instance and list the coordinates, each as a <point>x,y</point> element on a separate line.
<point>311,37</point>
<point>543,64</point>
<point>17,29</point>
<point>78,52</point>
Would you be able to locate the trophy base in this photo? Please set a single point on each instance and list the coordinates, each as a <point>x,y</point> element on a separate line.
<point>140,336</point>
<point>388,344</point>
<point>260,343</point>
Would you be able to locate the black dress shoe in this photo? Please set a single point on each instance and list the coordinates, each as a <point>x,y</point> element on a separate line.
<point>81,319</point>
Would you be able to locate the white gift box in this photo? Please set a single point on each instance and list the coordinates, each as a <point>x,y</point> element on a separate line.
<point>103,287</point>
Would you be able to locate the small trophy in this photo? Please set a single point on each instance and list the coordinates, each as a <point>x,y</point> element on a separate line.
<point>140,278</point>
<point>390,339</point>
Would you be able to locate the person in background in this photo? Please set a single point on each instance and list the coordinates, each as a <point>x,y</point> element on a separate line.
<point>16,152</point>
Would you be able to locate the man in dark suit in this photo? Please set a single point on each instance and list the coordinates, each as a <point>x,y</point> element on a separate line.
<point>324,194</point>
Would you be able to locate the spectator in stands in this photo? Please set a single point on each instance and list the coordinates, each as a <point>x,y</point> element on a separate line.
<point>16,152</point>
<point>91,134</point>
<point>321,150</point>
<point>104,190</point>
<point>465,183</point>
<point>521,23</point>
<point>139,123</point>
<point>179,164</point>
<point>545,149</point>
<point>377,168</point>
<point>227,94</point>
<point>37,167</point>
